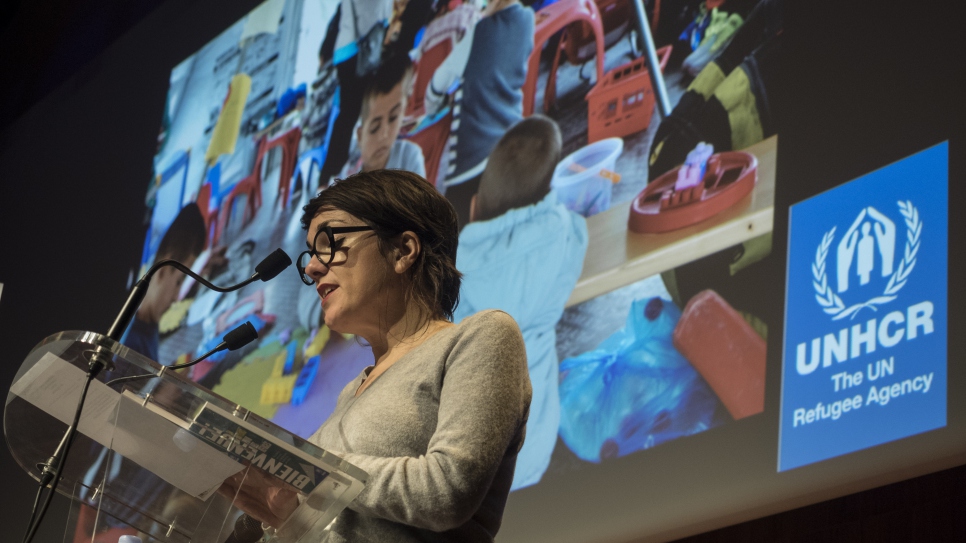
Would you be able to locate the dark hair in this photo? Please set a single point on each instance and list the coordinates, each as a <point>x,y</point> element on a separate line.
<point>186,237</point>
<point>396,201</point>
<point>520,167</point>
<point>392,71</point>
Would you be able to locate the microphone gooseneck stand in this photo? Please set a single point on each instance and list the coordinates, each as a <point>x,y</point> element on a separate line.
<point>267,269</point>
<point>237,338</point>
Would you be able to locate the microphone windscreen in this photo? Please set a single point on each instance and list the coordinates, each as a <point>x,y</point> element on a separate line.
<point>272,265</point>
<point>247,530</point>
<point>240,336</point>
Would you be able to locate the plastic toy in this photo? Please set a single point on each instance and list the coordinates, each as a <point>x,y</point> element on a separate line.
<point>659,208</point>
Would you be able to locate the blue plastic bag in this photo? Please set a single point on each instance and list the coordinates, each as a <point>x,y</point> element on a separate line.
<point>634,391</point>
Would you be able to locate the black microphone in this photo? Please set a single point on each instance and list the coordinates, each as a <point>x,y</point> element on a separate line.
<point>247,530</point>
<point>272,265</point>
<point>237,338</point>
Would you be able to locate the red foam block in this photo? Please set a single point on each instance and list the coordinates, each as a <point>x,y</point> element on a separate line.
<point>725,350</point>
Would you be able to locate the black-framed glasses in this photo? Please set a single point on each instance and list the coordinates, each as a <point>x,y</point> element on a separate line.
<point>324,248</point>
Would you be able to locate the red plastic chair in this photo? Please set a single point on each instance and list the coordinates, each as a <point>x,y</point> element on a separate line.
<point>432,140</point>
<point>549,21</point>
<point>209,215</point>
<point>613,15</point>
<point>425,69</point>
<point>251,186</point>
<point>289,142</point>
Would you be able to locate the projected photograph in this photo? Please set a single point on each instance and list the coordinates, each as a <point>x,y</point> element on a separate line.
<point>615,190</point>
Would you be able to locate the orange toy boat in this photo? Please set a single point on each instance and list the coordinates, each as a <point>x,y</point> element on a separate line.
<point>659,208</point>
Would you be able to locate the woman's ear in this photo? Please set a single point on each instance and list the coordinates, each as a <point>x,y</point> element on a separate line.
<point>407,250</point>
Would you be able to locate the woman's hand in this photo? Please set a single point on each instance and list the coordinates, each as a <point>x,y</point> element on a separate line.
<point>261,496</point>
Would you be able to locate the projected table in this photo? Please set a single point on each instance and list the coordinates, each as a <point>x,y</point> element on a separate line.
<point>617,257</point>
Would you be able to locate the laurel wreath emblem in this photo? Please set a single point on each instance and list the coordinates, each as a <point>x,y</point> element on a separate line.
<point>831,302</point>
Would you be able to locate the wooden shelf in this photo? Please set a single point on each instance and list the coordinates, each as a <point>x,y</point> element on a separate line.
<point>617,257</point>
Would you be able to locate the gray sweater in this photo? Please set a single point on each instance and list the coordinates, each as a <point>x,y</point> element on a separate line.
<point>438,433</point>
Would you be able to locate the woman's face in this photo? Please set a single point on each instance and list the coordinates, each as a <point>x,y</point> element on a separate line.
<point>359,286</point>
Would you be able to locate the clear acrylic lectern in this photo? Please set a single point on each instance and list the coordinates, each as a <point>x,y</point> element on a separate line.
<point>160,455</point>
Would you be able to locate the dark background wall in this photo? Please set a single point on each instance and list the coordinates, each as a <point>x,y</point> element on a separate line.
<point>83,84</point>
<point>927,508</point>
<point>70,167</point>
<point>46,42</point>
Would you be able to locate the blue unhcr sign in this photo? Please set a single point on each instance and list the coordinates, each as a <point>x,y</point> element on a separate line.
<point>864,359</point>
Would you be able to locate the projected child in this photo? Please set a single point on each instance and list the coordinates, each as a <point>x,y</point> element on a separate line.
<point>356,20</point>
<point>377,145</point>
<point>183,241</point>
<point>491,61</point>
<point>523,253</point>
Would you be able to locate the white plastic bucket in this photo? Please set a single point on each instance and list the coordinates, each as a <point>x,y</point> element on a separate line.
<point>578,180</point>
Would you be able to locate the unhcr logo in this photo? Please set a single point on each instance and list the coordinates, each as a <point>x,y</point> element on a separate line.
<point>870,240</point>
<point>864,356</point>
<point>865,263</point>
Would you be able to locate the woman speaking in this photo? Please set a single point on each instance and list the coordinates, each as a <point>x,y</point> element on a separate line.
<point>438,419</point>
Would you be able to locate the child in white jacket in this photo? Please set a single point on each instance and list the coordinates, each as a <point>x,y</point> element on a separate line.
<point>523,252</point>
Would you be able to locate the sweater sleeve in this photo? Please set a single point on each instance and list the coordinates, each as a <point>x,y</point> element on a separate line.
<point>483,406</point>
